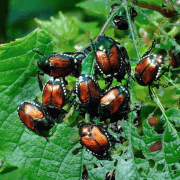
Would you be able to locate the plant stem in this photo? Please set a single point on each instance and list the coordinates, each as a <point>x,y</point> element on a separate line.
<point>171,82</point>
<point>132,32</point>
<point>106,23</point>
<point>163,111</point>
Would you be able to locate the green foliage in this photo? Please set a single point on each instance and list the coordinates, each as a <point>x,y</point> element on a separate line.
<point>68,31</point>
<point>27,155</point>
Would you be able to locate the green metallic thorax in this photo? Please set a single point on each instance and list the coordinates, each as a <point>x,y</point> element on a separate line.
<point>104,44</point>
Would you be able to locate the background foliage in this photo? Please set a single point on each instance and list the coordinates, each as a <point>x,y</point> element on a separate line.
<point>152,147</point>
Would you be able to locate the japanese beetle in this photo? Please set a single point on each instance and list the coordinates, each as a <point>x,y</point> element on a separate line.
<point>88,92</point>
<point>148,69</point>
<point>95,138</point>
<point>33,116</point>
<point>60,65</point>
<point>111,60</point>
<point>121,21</point>
<point>114,104</point>
<point>113,7</point>
<point>54,96</point>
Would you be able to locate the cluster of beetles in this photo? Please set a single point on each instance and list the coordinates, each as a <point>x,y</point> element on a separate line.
<point>111,61</point>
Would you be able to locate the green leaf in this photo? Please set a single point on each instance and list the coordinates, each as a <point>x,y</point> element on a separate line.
<point>172,151</point>
<point>137,156</point>
<point>88,65</point>
<point>12,173</point>
<point>68,32</point>
<point>63,30</point>
<point>168,39</point>
<point>99,7</point>
<point>18,83</point>
<point>173,115</point>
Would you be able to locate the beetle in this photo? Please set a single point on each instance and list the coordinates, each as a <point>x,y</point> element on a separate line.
<point>88,92</point>
<point>120,21</point>
<point>34,117</point>
<point>60,65</point>
<point>95,138</point>
<point>148,69</point>
<point>113,7</point>
<point>53,96</point>
<point>111,60</point>
<point>114,104</point>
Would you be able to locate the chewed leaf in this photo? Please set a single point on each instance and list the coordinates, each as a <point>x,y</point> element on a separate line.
<point>172,151</point>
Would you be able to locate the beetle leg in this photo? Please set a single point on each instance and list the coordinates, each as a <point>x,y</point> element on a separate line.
<point>73,53</point>
<point>108,81</point>
<point>125,57</point>
<point>150,50</point>
<point>76,107</point>
<point>37,102</point>
<point>65,82</point>
<point>43,135</point>
<point>39,80</point>
<point>122,139</point>
<point>133,13</point>
<point>39,52</point>
<point>165,70</point>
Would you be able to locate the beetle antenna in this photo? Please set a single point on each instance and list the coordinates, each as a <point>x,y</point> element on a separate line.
<point>38,52</point>
<point>92,44</point>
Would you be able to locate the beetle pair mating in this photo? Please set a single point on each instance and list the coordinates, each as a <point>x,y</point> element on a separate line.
<point>113,104</point>
<point>41,117</point>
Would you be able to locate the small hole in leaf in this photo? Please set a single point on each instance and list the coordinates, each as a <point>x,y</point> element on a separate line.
<point>140,170</point>
<point>76,151</point>
<point>85,173</point>
<point>177,129</point>
<point>160,167</point>
<point>138,153</point>
<point>115,163</point>
<point>147,171</point>
<point>95,166</point>
<point>173,167</point>
<point>151,163</point>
